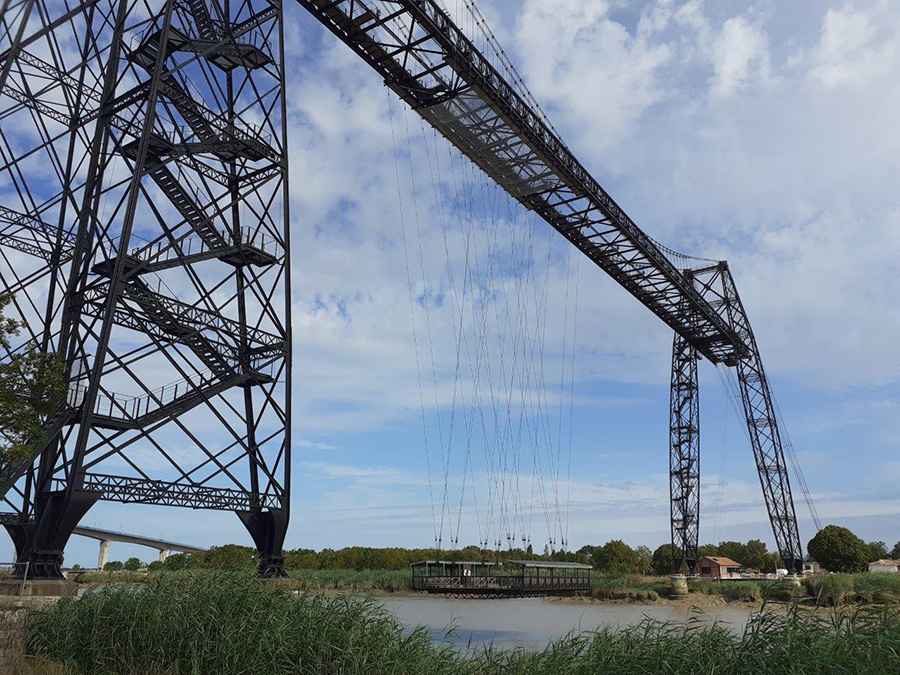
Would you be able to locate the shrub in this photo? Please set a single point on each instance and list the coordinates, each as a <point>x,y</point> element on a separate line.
<point>837,549</point>
<point>830,589</point>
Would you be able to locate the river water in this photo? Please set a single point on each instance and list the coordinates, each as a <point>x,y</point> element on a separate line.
<point>534,622</point>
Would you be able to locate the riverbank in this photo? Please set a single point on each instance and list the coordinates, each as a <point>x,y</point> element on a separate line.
<point>226,624</point>
<point>830,590</point>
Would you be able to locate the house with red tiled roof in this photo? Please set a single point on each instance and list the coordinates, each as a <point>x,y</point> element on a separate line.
<point>717,567</point>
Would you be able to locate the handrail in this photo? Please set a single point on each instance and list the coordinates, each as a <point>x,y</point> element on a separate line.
<point>163,250</point>
<point>126,406</point>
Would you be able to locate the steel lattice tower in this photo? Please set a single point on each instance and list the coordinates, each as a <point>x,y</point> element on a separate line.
<point>144,238</point>
<point>684,455</point>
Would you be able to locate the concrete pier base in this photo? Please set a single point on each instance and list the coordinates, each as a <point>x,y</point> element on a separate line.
<point>679,585</point>
<point>103,558</point>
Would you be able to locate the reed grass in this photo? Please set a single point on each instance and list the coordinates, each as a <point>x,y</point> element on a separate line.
<point>232,624</point>
<point>353,580</point>
<point>838,589</point>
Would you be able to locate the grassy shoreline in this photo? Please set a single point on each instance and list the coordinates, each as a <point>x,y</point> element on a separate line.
<point>230,623</point>
<point>831,590</point>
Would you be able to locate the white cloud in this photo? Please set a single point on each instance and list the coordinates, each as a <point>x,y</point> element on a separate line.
<point>851,51</point>
<point>315,445</point>
<point>588,67</point>
<point>740,56</point>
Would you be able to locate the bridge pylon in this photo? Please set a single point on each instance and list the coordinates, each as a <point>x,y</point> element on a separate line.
<point>145,240</point>
<point>716,285</point>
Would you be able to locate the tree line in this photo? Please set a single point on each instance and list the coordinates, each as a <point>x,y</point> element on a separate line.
<point>835,548</point>
<point>613,557</point>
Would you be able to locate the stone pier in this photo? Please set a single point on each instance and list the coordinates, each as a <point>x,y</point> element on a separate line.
<point>103,558</point>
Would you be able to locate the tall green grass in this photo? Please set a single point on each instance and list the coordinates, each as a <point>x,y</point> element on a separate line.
<point>838,589</point>
<point>353,580</point>
<point>230,625</point>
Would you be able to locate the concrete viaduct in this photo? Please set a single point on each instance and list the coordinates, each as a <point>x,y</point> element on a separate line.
<point>105,537</point>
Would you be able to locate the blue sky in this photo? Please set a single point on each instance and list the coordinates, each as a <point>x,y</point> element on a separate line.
<point>763,133</point>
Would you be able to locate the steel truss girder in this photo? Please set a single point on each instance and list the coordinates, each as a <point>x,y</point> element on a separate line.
<point>129,490</point>
<point>684,455</point>
<point>188,119</point>
<point>427,60</point>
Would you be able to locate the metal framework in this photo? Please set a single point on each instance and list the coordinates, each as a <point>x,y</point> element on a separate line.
<point>155,150</point>
<point>144,238</point>
<point>684,454</point>
<point>430,64</point>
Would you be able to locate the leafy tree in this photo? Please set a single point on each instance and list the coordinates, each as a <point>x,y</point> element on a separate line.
<point>707,550</point>
<point>133,564</point>
<point>178,561</point>
<point>837,549</point>
<point>615,557</point>
<point>229,556</point>
<point>76,567</point>
<point>31,389</point>
<point>732,549</point>
<point>113,566</point>
<point>757,556</point>
<point>663,561</point>
<point>877,550</point>
<point>895,552</point>
<point>644,560</point>
<point>155,566</point>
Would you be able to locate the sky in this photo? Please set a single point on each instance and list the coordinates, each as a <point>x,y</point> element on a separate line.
<point>763,133</point>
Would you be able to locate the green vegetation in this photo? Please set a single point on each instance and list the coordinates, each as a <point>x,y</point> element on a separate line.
<point>837,589</point>
<point>617,557</point>
<point>877,550</point>
<point>663,560</point>
<point>837,549</point>
<point>133,564</point>
<point>633,587</point>
<point>117,576</point>
<point>830,590</point>
<point>228,624</point>
<point>352,580</point>
<point>31,389</point>
<point>614,557</point>
<point>752,555</point>
<point>747,591</point>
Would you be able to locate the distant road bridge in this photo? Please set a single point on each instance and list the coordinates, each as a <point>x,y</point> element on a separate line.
<point>105,537</point>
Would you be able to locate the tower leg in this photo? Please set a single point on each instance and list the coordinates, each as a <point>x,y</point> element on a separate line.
<point>41,542</point>
<point>684,455</point>
<point>717,285</point>
<point>268,529</point>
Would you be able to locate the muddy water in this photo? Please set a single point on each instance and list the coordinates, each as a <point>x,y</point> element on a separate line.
<point>535,622</point>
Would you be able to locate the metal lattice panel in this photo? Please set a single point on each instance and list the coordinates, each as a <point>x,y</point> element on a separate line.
<point>717,285</point>
<point>684,454</point>
<point>144,238</point>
